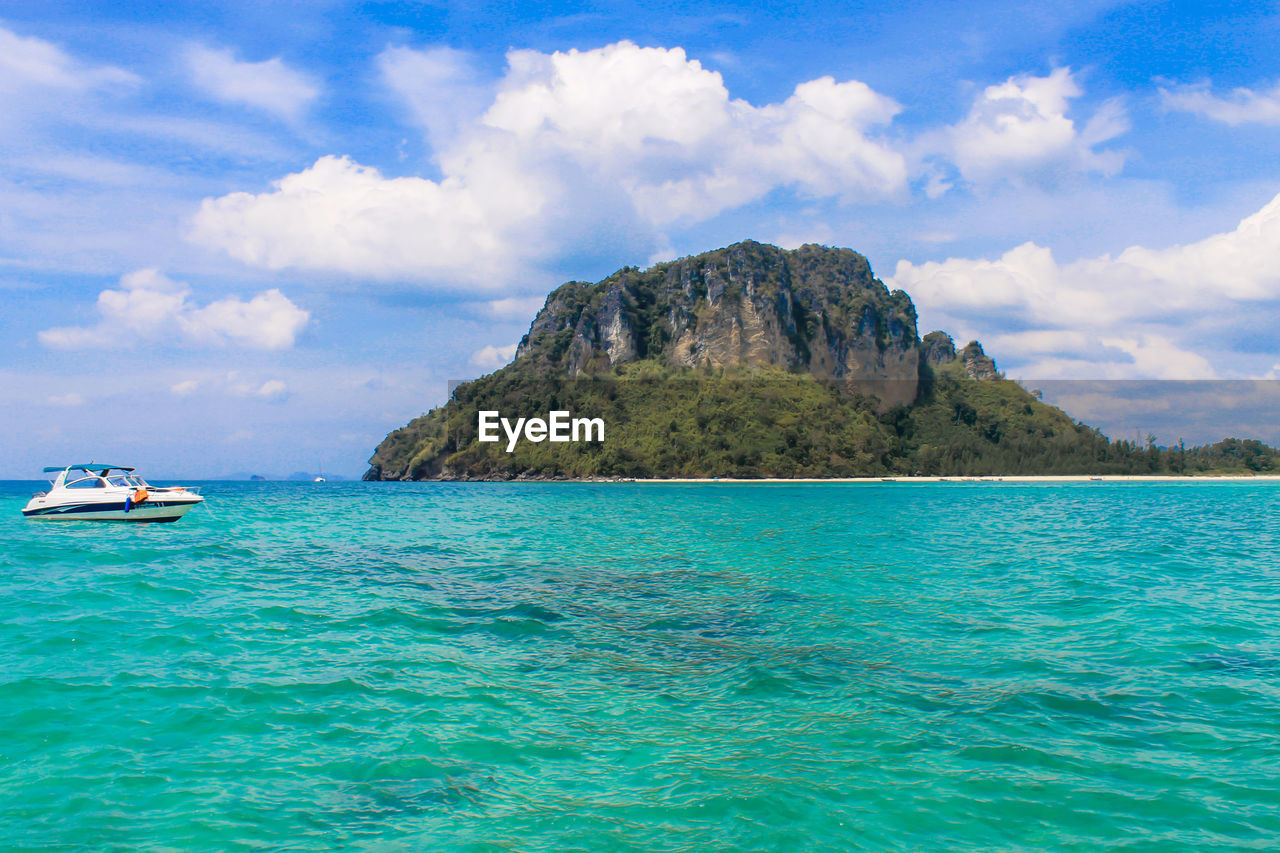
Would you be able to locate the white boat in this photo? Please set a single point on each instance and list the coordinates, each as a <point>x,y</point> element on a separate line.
<point>96,492</point>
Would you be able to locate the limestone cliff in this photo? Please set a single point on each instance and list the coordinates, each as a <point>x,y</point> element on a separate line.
<point>937,349</point>
<point>813,310</point>
<point>977,364</point>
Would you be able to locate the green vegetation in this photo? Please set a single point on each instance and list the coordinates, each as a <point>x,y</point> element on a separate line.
<point>764,422</point>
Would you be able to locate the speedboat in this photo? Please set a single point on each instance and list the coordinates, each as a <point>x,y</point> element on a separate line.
<point>96,492</point>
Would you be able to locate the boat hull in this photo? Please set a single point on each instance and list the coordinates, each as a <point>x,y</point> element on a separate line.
<point>149,511</point>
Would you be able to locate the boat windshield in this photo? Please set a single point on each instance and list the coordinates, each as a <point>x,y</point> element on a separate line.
<point>90,482</point>
<point>77,477</point>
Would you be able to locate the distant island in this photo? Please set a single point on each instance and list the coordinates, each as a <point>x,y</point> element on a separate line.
<point>296,476</point>
<point>757,362</point>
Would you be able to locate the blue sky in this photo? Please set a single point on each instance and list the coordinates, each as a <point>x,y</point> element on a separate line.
<point>257,237</point>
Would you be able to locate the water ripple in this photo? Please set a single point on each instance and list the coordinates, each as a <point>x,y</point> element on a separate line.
<point>611,667</point>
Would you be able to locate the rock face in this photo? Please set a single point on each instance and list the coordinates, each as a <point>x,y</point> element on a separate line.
<point>978,364</point>
<point>937,349</point>
<point>813,310</point>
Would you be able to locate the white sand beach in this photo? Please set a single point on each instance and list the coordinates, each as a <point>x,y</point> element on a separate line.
<point>1063,478</point>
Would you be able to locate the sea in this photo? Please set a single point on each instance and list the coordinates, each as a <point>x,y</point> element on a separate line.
<point>647,667</point>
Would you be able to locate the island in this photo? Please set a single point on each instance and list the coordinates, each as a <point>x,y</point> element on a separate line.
<point>752,362</point>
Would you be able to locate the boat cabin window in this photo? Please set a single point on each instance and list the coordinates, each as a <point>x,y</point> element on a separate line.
<point>91,482</point>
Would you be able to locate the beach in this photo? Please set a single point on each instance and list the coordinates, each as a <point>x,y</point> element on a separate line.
<point>986,478</point>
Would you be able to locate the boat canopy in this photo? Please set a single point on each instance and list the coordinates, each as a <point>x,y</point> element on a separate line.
<point>92,466</point>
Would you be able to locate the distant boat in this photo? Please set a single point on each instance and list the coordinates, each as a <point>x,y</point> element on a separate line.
<point>320,479</point>
<point>93,493</point>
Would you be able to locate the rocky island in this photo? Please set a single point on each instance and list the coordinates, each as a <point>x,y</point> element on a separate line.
<point>754,361</point>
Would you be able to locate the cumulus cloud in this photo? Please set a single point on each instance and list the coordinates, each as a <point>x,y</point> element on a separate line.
<point>1241,106</point>
<point>566,146</point>
<point>343,217</point>
<point>491,357</point>
<point>1122,316</point>
<point>270,85</point>
<point>1021,125</point>
<point>149,306</point>
<point>440,86</point>
<point>667,131</point>
<point>267,321</point>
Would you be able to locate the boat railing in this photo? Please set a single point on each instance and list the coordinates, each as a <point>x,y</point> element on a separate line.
<point>195,490</point>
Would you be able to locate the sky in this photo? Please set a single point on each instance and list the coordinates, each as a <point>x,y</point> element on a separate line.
<point>256,237</point>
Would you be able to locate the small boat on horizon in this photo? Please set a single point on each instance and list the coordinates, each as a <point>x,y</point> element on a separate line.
<point>93,492</point>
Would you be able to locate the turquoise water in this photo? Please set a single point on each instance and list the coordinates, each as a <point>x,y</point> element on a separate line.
<point>648,667</point>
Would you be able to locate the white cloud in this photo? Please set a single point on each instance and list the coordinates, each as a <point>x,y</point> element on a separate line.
<point>149,306</point>
<point>819,232</point>
<point>34,63</point>
<point>516,307</point>
<point>235,385</point>
<point>1021,125</point>
<point>439,85</point>
<point>1159,356</point>
<point>343,217</point>
<point>570,147</point>
<point>272,389</point>
<point>815,142</point>
<point>270,85</point>
<point>72,399</point>
<point>665,130</point>
<point>267,321</point>
<point>1128,315</point>
<point>491,357</point>
<point>95,170</point>
<point>1242,106</point>
<point>1115,352</point>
